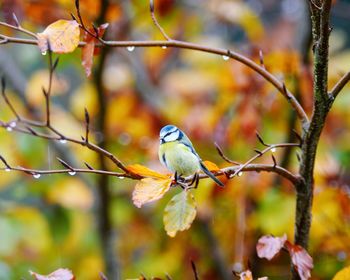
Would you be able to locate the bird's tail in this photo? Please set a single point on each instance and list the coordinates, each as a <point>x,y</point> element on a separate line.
<point>211,175</point>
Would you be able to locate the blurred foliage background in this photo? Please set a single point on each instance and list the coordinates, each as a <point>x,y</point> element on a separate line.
<point>53,221</point>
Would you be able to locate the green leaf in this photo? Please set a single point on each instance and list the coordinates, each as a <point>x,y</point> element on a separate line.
<point>179,213</point>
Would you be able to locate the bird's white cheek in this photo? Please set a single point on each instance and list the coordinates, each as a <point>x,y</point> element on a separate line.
<point>172,137</point>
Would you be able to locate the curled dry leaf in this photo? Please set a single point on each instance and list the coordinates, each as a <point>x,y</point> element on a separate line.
<point>89,50</point>
<point>268,246</point>
<point>179,213</point>
<point>149,189</point>
<point>59,274</point>
<point>146,172</point>
<point>301,260</point>
<point>63,36</point>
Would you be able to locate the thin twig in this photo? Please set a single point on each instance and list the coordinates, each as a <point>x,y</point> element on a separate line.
<point>155,21</point>
<point>87,124</point>
<point>221,153</point>
<point>271,147</point>
<point>186,45</point>
<point>3,92</point>
<point>19,28</point>
<point>194,269</point>
<point>339,85</point>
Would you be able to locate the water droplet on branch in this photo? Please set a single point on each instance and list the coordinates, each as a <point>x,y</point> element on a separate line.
<point>44,52</point>
<point>63,141</point>
<point>273,150</point>
<point>225,57</point>
<point>7,169</point>
<point>240,173</point>
<point>130,48</point>
<point>72,173</point>
<point>121,177</point>
<point>164,47</point>
<point>13,124</point>
<point>9,128</point>
<point>36,176</point>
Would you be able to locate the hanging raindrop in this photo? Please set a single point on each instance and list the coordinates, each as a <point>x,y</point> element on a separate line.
<point>9,128</point>
<point>121,177</point>
<point>13,124</point>
<point>72,173</point>
<point>130,48</point>
<point>7,169</point>
<point>273,150</point>
<point>36,176</point>
<point>225,57</point>
<point>240,173</point>
<point>44,52</point>
<point>164,47</point>
<point>63,141</point>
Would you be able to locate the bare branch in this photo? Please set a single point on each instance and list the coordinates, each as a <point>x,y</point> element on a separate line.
<point>186,45</point>
<point>3,92</point>
<point>5,162</point>
<point>194,269</point>
<point>87,124</point>
<point>339,85</point>
<point>18,28</point>
<point>155,21</point>
<point>261,57</point>
<point>269,148</point>
<point>221,153</point>
<point>261,140</point>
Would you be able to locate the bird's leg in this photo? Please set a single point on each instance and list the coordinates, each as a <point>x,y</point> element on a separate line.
<point>178,181</point>
<point>195,181</point>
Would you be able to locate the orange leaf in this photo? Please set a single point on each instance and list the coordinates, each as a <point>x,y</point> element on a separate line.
<point>149,189</point>
<point>211,165</point>
<point>87,57</point>
<point>59,274</point>
<point>63,36</point>
<point>145,171</point>
<point>89,49</point>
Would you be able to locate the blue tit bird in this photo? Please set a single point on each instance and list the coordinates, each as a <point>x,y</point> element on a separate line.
<point>176,152</point>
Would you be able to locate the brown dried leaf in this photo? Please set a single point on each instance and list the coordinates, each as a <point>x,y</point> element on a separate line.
<point>149,189</point>
<point>89,50</point>
<point>59,274</point>
<point>268,246</point>
<point>63,36</point>
<point>301,260</point>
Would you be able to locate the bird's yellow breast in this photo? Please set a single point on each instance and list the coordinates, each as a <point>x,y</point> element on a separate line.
<point>178,158</point>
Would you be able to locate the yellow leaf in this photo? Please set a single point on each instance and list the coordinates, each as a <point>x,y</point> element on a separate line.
<point>63,36</point>
<point>211,165</point>
<point>343,274</point>
<point>145,171</point>
<point>149,189</point>
<point>179,213</point>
